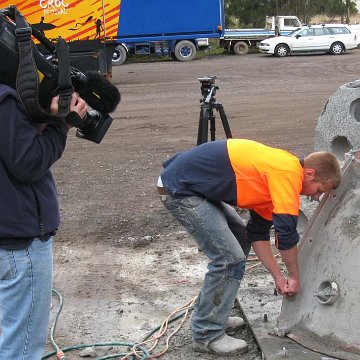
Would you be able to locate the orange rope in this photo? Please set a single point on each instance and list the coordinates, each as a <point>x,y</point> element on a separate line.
<point>162,331</point>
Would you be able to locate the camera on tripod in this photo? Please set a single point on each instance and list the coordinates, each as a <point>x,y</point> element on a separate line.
<point>207,114</point>
<point>208,88</point>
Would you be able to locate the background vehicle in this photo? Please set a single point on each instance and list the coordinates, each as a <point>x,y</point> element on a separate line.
<point>170,28</point>
<point>238,41</point>
<point>94,28</point>
<point>330,38</point>
<point>355,29</point>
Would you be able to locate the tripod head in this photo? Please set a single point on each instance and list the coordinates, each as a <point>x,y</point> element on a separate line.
<point>208,89</point>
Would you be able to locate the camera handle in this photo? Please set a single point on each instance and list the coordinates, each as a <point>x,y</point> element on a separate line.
<point>207,115</point>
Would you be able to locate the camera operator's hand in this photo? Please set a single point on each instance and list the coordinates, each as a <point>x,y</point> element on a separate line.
<point>77,105</point>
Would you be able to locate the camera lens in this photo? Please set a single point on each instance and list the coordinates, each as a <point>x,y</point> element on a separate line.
<point>94,126</point>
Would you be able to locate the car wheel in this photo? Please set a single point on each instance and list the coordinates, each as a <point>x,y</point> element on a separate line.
<point>119,55</point>
<point>337,48</point>
<point>185,50</point>
<point>282,50</point>
<point>240,48</point>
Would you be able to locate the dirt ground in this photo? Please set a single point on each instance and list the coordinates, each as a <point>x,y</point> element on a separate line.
<point>121,263</point>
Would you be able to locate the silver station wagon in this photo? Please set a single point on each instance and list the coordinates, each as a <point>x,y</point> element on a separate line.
<point>330,38</point>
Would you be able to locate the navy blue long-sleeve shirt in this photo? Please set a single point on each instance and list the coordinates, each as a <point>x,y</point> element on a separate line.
<point>28,195</point>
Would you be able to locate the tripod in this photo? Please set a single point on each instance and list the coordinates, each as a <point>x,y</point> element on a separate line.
<point>207,107</point>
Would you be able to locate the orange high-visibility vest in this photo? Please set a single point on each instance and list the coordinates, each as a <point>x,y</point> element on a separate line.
<point>268,180</point>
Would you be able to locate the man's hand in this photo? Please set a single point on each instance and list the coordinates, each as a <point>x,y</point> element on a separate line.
<point>281,284</point>
<point>290,258</point>
<point>54,106</point>
<point>77,104</point>
<point>292,287</point>
<point>284,286</point>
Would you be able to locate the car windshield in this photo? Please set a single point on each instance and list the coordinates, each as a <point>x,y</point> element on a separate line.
<point>293,32</point>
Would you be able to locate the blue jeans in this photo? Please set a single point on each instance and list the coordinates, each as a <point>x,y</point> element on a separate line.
<point>220,235</point>
<point>25,300</point>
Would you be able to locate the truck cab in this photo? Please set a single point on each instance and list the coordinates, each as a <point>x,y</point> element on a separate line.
<point>282,24</point>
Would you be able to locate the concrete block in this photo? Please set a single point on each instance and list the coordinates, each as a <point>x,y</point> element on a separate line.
<point>338,127</point>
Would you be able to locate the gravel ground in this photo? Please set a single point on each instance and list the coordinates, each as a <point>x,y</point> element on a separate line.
<point>120,261</point>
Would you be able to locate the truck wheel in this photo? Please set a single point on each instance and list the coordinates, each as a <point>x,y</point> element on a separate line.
<point>119,55</point>
<point>185,50</point>
<point>337,48</point>
<point>241,48</point>
<point>282,50</point>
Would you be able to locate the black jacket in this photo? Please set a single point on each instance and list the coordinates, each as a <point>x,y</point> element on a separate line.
<point>28,197</point>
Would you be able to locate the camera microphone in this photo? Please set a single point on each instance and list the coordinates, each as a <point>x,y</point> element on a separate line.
<point>97,91</point>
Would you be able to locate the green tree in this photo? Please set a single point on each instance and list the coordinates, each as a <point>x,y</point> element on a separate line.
<point>245,13</point>
<point>251,13</point>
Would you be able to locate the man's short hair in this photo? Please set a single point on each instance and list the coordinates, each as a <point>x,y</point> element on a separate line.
<point>326,165</point>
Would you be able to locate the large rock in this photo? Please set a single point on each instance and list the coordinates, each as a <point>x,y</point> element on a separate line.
<point>337,131</point>
<point>338,127</point>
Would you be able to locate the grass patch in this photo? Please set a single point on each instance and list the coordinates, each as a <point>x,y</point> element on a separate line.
<point>212,50</point>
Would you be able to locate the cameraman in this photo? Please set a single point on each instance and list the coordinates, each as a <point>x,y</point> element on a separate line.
<point>29,218</point>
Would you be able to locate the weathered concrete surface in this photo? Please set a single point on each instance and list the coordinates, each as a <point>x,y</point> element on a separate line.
<point>324,317</point>
<point>326,314</point>
<point>262,317</point>
<point>337,131</point>
<point>338,127</point>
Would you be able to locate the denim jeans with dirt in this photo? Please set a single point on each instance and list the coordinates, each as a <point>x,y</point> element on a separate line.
<point>220,235</point>
<point>25,300</point>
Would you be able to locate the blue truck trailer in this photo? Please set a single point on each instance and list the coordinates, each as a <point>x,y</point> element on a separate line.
<point>167,27</point>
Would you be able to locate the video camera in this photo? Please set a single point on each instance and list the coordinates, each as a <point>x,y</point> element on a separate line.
<point>38,79</point>
<point>208,88</point>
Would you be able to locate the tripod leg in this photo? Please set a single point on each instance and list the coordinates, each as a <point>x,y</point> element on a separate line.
<point>212,125</point>
<point>224,121</point>
<point>203,125</point>
<point>199,136</point>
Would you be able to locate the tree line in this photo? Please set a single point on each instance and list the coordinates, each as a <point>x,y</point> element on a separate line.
<point>251,13</point>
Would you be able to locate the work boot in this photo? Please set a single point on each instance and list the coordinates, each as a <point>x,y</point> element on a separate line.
<point>225,346</point>
<point>233,324</point>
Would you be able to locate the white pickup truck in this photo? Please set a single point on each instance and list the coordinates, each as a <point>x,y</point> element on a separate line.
<point>238,41</point>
